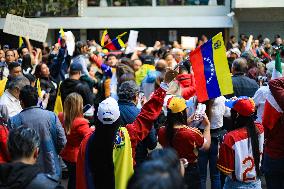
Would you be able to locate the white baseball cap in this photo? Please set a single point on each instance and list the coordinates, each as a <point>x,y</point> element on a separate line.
<point>108,111</point>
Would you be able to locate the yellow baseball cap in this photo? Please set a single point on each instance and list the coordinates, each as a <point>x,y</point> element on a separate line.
<point>176,104</point>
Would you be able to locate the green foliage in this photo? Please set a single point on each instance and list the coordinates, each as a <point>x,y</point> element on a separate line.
<point>36,8</point>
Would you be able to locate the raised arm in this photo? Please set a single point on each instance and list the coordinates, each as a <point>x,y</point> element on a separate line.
<point>98,60</point>
<point>140,128</point>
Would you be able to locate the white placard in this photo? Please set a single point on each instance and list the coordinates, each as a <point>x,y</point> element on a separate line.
<point>70,42</point>
<point>25,27</point>
<point>188,42</point>
<point>132,42</point>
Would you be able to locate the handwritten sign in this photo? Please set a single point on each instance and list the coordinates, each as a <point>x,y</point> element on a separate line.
<point>25,27</point>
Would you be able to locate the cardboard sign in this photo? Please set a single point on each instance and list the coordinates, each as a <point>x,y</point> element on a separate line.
<point>188,42</point>
<point>132,42</point>
<point>25,27</point>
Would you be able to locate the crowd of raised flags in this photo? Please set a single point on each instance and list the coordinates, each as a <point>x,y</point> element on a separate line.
<point>161,86</point>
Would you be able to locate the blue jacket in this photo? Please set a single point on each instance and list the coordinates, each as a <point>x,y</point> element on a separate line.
<point>128,113</point>
<point>52,136</point>
<point>244,86</point>
<point>59,64</point>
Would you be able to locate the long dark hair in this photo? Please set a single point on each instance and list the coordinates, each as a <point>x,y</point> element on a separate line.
<point>173,119</point>
<point>253,132</point>
<point>100,155</point>
<point>27,62</point>
<point>78,46</point>
<point>37,73</point>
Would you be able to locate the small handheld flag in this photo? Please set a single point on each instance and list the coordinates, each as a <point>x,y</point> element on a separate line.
<point>105,38</point>
<point>60,35</point>
<point>277,71</point>
<point>117,43</point>
<point>21,42</point>
<point>211,69</point>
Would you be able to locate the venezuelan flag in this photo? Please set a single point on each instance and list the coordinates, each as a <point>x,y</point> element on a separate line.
<point>211,69</point>
<point>60,35</point>
<point>105,38</point>
<point>117,43</point>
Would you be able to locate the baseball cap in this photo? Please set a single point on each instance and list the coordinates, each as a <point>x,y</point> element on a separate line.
<point>176,104</point>
<point>76,66</point>
<point>108,111</point>
<point>244,105</point>
<point>6,46</point>
<point>149,59</point>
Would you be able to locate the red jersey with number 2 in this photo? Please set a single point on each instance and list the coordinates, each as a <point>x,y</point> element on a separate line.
<point>236,157</point>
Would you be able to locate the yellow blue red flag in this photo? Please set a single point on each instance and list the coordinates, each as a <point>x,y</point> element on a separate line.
<point>117,43</point>
<point>60,35</point>
<point>211,69</point>
<point>105,38</point>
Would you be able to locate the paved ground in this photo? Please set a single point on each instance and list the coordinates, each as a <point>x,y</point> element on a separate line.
<point>208,184</point>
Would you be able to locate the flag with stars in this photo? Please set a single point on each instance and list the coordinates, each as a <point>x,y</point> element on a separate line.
<point>211,69</point>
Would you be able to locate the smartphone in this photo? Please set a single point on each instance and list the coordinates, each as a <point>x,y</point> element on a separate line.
<point>200,111</point>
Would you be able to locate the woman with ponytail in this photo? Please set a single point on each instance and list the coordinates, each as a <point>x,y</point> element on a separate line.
<point>186,140</point>
<point>240,152</point>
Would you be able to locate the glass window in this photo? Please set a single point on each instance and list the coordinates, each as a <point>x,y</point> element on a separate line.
<point>188,2</point>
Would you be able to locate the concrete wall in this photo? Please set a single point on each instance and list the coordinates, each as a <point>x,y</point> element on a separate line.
<point>257,3</point>
<point>265,21</point>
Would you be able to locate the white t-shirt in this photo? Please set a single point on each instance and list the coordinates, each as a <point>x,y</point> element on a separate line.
<point>9,105</point>
<point>259,99</point>
<point>219,110</point>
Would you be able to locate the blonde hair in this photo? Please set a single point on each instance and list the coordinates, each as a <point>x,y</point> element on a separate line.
<point>174,88</point>
<point>73,108</point>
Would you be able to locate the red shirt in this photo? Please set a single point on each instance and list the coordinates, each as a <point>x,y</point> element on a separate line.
<point>3,144</point>
<point>187,83</point>
<point>274,134</point>
<point>186,142</point>
<point>138,130</point>
<point>80,128</point>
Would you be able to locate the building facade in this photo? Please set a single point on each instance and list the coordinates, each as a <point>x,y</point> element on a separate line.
<point>165,20</point>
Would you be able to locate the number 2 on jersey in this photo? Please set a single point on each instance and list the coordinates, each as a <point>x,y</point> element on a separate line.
<point>248,161</point>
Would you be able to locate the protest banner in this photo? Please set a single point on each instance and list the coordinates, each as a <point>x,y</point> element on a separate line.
<point>25,27</point>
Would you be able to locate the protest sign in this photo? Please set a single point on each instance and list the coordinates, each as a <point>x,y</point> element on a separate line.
<point>188,42</point>
<point>132,42</point>
<point>70,42</point>
<point>25,27</point>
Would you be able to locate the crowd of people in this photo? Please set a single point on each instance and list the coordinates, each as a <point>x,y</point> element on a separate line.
<point>116,120</point>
